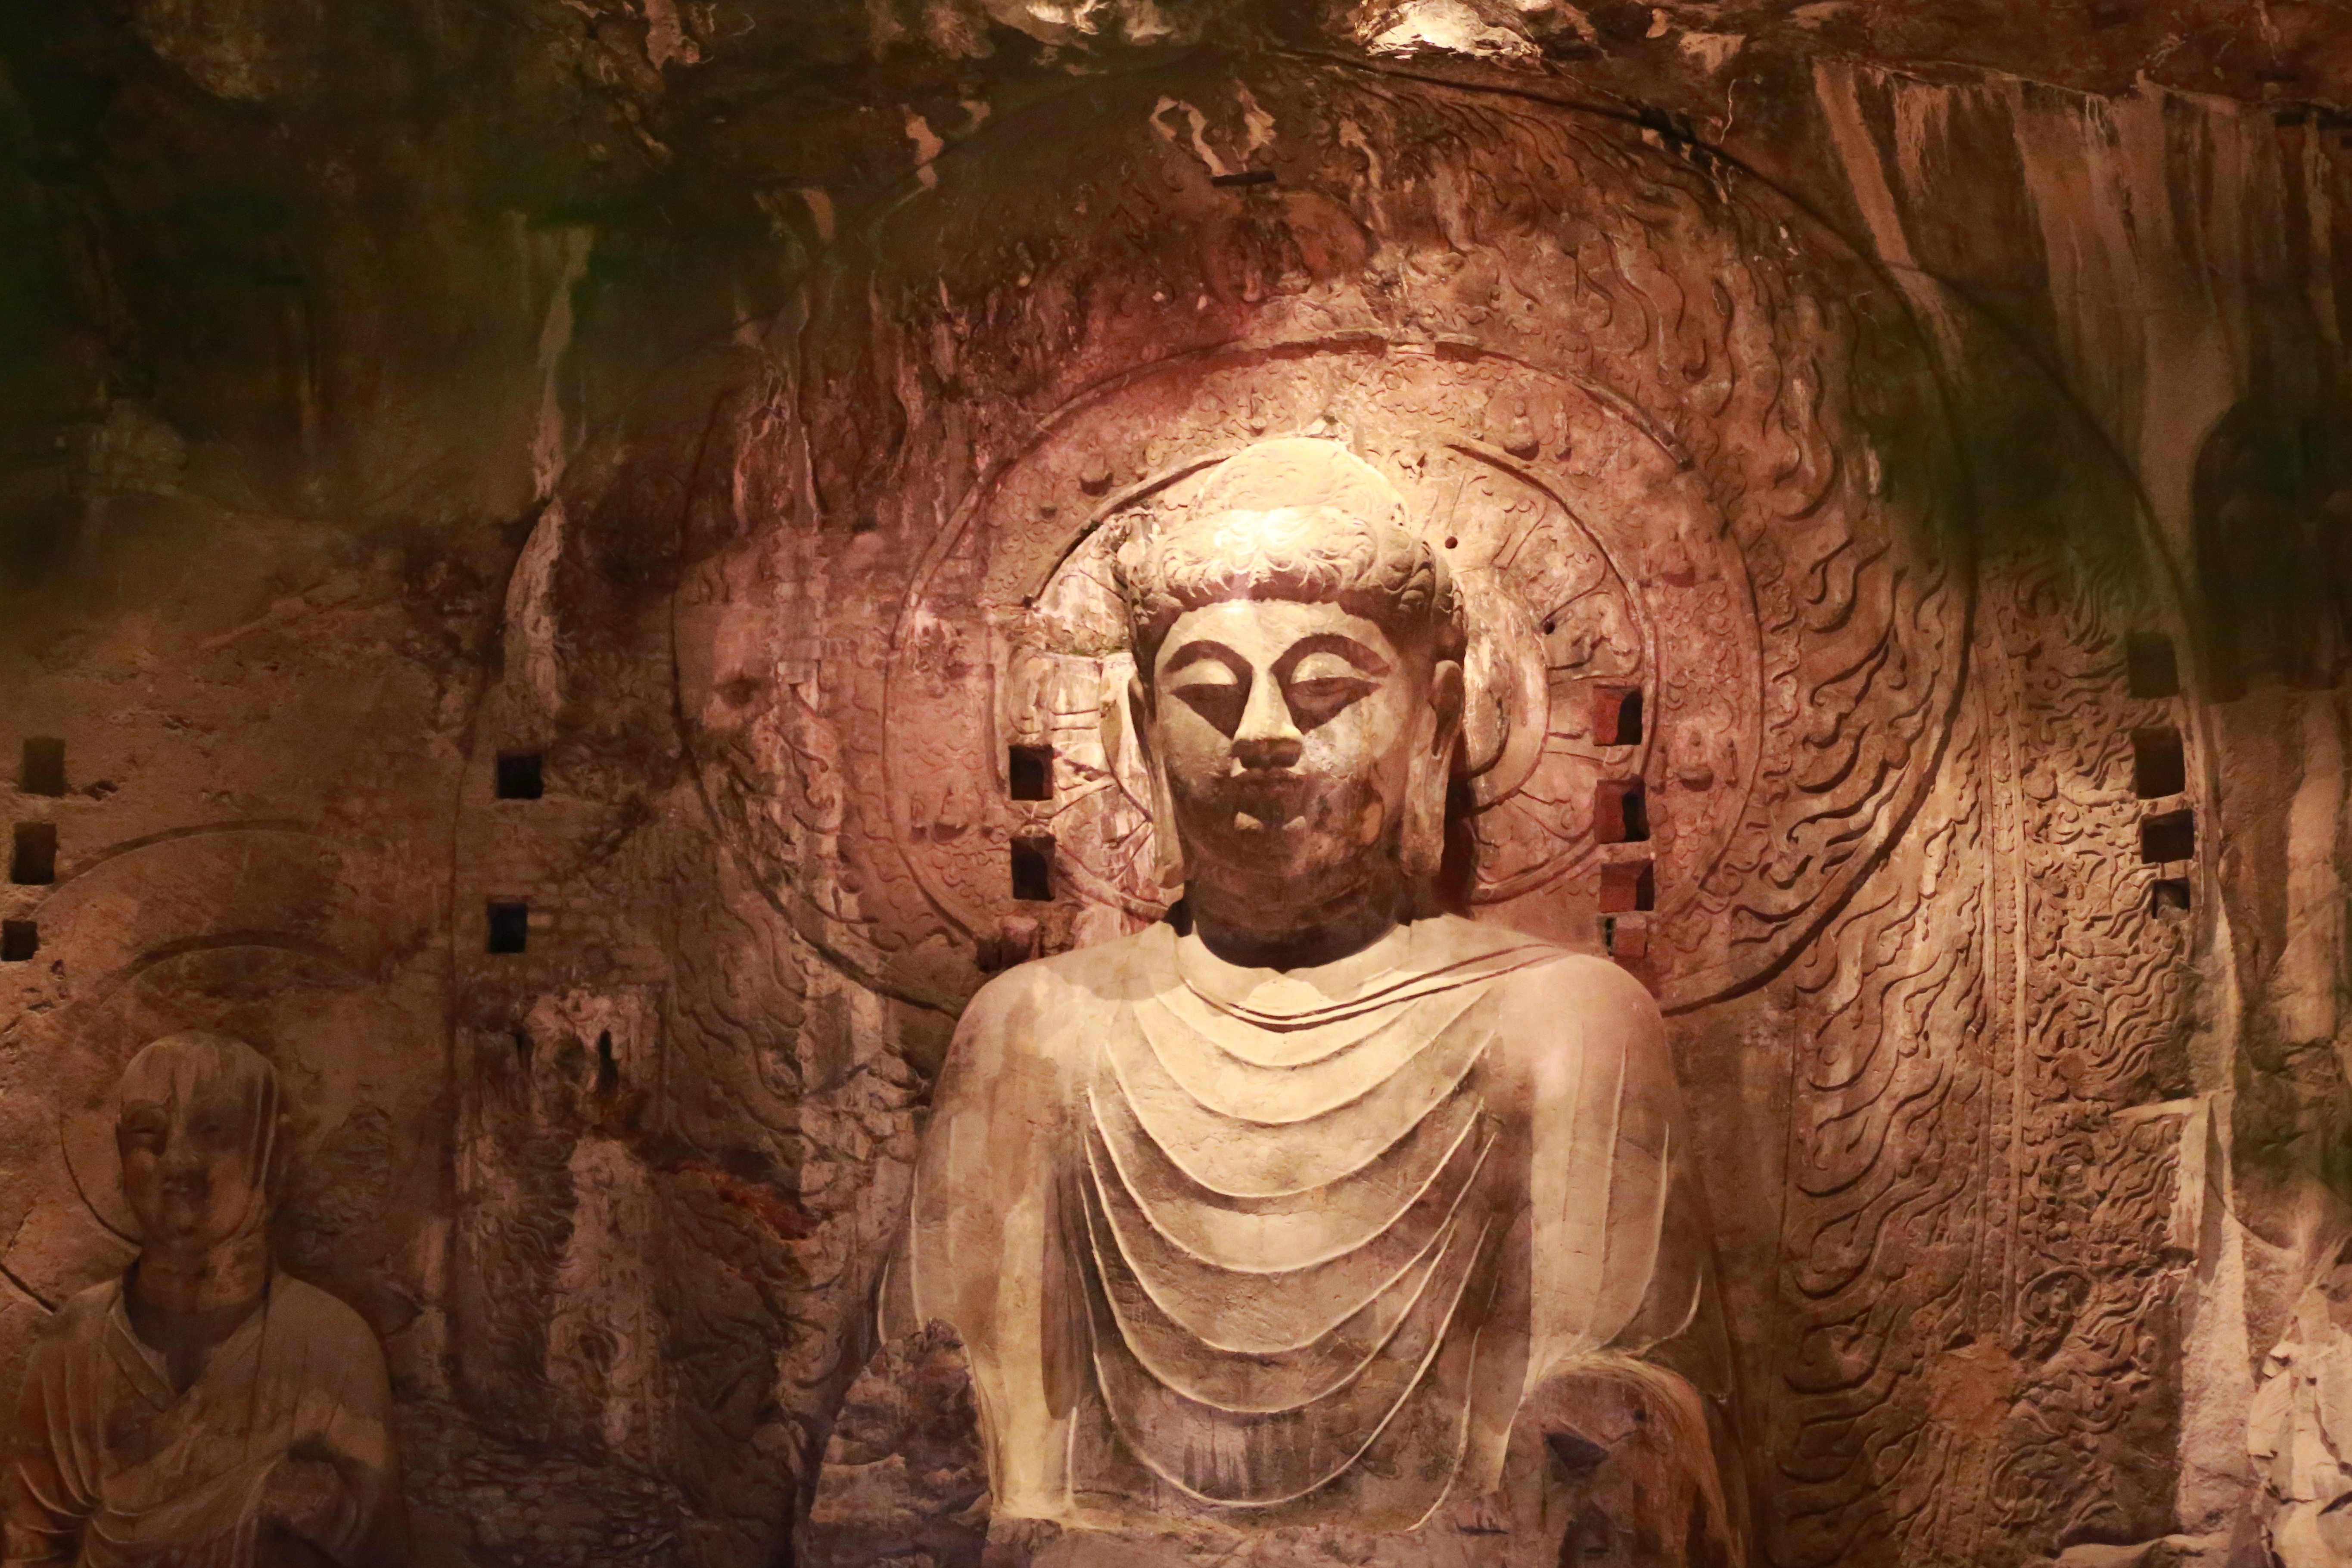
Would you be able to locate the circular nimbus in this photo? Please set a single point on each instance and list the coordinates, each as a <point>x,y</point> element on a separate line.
<point>1549,547</point>
<point>1705,718</point>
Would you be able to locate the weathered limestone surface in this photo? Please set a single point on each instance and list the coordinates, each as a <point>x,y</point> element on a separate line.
<point>717,401</point>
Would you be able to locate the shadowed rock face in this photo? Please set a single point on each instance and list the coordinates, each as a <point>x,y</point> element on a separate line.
<point>1904,440</point>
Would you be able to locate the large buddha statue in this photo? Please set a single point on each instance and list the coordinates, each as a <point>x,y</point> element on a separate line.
<point>1314,1205</point>
<point>204,1410</point>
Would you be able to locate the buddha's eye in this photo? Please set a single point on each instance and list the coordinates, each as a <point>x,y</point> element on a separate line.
<point>1315,702</point>
<point>212,1131</point>
<point>1219,699</point>
<point>145,1130</point>
<point>1322,686</point>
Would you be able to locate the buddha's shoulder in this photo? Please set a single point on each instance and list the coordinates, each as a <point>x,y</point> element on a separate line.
<point>1541,985</point>
<point>1584,980</point>
<point>83,1315</point>
<point>1532,960</point>
<point>1115,971</point>
<point>325,1318</point>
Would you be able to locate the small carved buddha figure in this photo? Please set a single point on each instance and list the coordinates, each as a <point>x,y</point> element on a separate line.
<point>1313,1207</point>
<point>203,1411</point>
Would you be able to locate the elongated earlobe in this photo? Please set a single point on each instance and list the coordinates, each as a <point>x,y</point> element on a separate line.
<point>1422,844</point>
<point>1421,847</point>
<point>1169,864</point>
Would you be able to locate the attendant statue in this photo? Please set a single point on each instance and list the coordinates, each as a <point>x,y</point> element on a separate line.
<point>204,1410</point>
<point>1316,1209</point>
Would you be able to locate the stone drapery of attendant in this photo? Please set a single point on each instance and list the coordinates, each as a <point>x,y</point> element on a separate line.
<point>113,1468</point>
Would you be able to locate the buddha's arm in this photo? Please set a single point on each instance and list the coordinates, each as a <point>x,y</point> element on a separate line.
<point>339,1489</point>
<point>1605,1134</point>
<point>978,1253</point>
<point>1624,1308</point>
<point>41,1513</point>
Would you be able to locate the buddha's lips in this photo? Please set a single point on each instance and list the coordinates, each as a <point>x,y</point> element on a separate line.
<point>1266,802</point>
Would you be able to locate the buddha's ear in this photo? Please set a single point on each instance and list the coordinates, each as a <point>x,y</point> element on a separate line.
<point>1422,847</point>
<point>1447,701</point>
<point>1169,863</point>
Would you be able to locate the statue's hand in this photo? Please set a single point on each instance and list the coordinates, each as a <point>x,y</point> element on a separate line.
<point>1618,1452</point>
<point>305,1495</point>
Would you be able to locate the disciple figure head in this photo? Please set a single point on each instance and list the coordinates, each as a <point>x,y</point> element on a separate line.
<point>1299,679</point>
<point>198,1129</point>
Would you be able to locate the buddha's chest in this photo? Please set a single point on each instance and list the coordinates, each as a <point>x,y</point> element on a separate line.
<point>1290,1247</point>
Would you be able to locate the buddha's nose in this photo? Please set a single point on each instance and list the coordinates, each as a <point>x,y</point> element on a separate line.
<point>181,1167</point>
<point>1267,737</point>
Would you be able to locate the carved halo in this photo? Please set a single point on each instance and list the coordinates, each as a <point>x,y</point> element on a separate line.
<point>1551,615</point>
<point>1604,578</point>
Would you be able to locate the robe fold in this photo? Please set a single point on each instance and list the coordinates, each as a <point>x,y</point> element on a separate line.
<point>108,1467</point>
<point>1280,1249</point>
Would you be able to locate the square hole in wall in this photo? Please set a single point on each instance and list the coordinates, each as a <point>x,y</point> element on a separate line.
<point>1617,716</point>
<point>2169,835</point>
<point>19,940</point>
<point>522,775</point>
<point>1032,868</point>
<point>1015,941</point>
<point>1627,889</point>
<point>44,770</point>
<point>1625,940</point>
<point>2168,896</point>
<point>1029,772</point>
<point>2149,668</point>
<point>33,859</point>
<point>2159,765</point>
<point>510,927</point>
<point>1621,812</point>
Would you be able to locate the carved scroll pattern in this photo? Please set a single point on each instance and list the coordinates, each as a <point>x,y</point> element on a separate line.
<point>789,1139</point>
<point>1979,1257</point>
<point>1797,398</point>
<point>2100,1073</point>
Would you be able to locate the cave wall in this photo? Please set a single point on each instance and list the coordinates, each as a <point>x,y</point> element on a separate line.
<point>715,405</point>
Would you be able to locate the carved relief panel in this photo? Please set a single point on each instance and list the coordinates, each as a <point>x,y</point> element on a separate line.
<point>1735,717</point>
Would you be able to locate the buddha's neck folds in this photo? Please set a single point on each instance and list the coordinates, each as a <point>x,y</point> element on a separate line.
<point>1260,921</point>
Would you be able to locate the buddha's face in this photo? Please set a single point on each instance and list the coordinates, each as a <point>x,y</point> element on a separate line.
<point>1286,734</point>
<point>188,1165</point>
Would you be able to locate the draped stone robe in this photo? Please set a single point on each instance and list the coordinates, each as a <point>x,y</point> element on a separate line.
<point>1278,1249</point>
<point>108,1466</point>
